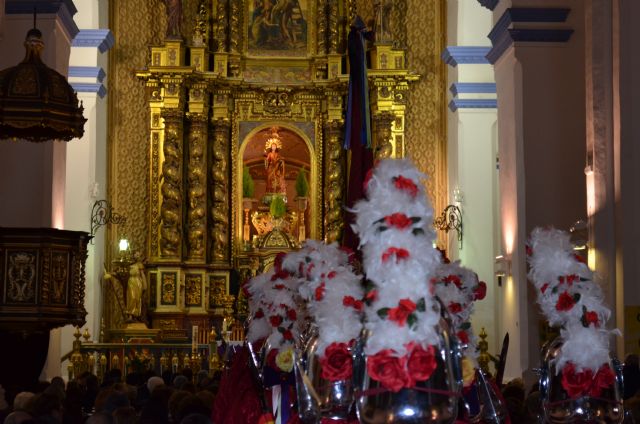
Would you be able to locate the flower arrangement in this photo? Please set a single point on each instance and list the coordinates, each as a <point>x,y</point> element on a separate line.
<point>302,186</point>
<point>275,314</point>
<point>334,295</point>
<point>396,237</point>
<point>569,298</point>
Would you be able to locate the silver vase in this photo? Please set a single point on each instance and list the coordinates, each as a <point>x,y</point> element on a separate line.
<point>317,397</point>
<point>432,401</point>
<point>558,407</point>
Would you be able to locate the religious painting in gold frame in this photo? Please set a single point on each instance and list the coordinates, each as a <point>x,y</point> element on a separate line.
<point>279,28</point>
<point>296,145</point>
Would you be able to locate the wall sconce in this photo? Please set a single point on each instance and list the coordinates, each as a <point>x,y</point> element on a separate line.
<point>102,214</point>
<point>450,219</point>
<point>502,268</point>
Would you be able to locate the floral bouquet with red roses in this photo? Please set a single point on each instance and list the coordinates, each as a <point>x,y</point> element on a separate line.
<point>333,295</point>
<point>579,377</point>
<point>410,369</point>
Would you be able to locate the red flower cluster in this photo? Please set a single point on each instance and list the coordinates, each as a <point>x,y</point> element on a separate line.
<point>453,279</point>
<point>398,220</point>
<point>275,320</point>
<point>455,307</point>
<point>565,302</point>
<point>406,184</point>
<point>398,252</point>
<point>590,317</point>
<point>463,336</point>
<point>584,383</point>
<point>402,311</point>
<point>353,302</point>
<point>337,363</point>
<point>480,291</point>
<point>569,279</point>
<point>395,373</point>
<point>320,292</point>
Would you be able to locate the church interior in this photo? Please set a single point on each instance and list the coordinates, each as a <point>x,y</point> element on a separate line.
<point>200,140</point>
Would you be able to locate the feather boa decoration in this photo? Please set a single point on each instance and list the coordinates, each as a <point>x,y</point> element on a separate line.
<point>331,289</point>
<point>396,236</point>
<point>569,297</point>
<point>458,288</point>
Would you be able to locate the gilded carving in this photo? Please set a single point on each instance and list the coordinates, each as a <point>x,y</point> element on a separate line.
<point>59,277</point>
<point>234,26</point>
<point>219,177</point>
<point>169,287</point>
<point>334,182</point>
<point>333,26</point>
<point>153,289</point>
<point>21,277</point>
<point>221,25</point>
<point>217,291</point>
<point>382,123</point>
<point>155,193</point>
<point>77,267</point>
<point>322,26</point>
<point>196,177</point>
<point>171,188</point>
<point>193,290</point>
<point>45,278</point>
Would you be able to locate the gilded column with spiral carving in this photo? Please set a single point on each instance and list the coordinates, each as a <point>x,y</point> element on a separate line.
<point>334,181</point>
<point>322,26</point>
<point>196,180</point>
<point>234,26</point>
<point>220,176</point>
<point>333,25</point>
<point>171,189</point>
<point>221,25</point>
<point>382,126</point>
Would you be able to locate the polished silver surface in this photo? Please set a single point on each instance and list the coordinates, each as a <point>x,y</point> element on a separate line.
<point>432,401</point>
<point>492,409</point>
<point>559,408</point>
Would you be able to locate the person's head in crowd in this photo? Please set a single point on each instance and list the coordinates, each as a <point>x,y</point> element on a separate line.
<point>196,419</point>
<point>100,418</point>
<point>92,383</point>
<point>174,403</point>
<point>58,381</point>
<point>18,417</point>
<point>21,401</point>
<point>206,397</point>
<point>101,398</point>
<point>167,376</point>
<point>111,377</point>
<point>125,415</point>
<point>133,379</point>
<point>41,386</point>
<point>45,405</point>
<point>56,390</point>
<point>191,404</point>
<point>179,381</point>
<point>115,400</point>
<point>189,387</point>
<point>155,411</point>
<point>154,382</point>
<point>202,376</point>
<point>128,390</point>
<point>187,372</point>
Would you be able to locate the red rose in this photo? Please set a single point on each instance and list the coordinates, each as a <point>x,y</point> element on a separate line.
<point>420,363</point>
<point>287,335</point>
<point>463,336</point>
<point>348,300</point>
<point>398,220</point>
<point>480,291</point>
<point>336,363</point>
<point>544,288</point>
<point>275,320</point>
<point>590,317</point>
<point>320,292</point>
<point>388,370</point>
<point>406,184</point>
<point>455,308</point>
<point>402,312</point>
<point>576,383</point>
<point>399,253</point>
<point>453,279</point>
<point>279,286</point>
<point>372,296</point>
<point>565,302</point>
<point>603,380</point>
<point>259,314</point>
<point>331,275</point>
<point>358,305</point>
<point>291,314</point>
<point>580,259</point>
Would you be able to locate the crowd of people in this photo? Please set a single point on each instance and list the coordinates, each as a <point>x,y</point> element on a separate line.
<point>138,398</point>
<point>185,398</point>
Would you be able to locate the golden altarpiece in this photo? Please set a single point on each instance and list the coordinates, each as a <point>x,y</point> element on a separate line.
<point>250,82</point>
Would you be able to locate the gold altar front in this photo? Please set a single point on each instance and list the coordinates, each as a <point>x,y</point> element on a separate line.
<point>195,99</point>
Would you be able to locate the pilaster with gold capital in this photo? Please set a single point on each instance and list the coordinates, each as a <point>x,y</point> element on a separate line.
<point>334,181</point>
<point>220,223</point>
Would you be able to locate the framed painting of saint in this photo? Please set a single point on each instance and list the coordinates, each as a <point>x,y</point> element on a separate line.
<point>278,28</point>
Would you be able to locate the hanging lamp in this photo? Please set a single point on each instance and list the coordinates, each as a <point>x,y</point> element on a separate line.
<point>37,103</point>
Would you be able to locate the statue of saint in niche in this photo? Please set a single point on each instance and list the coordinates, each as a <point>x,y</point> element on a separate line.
<point>274,164</point>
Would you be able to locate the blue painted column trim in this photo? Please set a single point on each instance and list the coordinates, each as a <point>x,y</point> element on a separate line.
<point>87,72</point>
<point>456,104</point>
<point>502,36</point>
<point>65,9</point>
<point>100,38</point>
<point>467,55</point>
<point>473,88</point>
<point>489,4</point>
<point>89,87</point>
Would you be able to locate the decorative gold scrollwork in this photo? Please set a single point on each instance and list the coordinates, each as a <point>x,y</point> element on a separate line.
<point>170,211</point>
<point>21,276</point>
<point>219,174</point>
<point>196,177</point>
<point>334,182</point>
<point>382,122</point>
